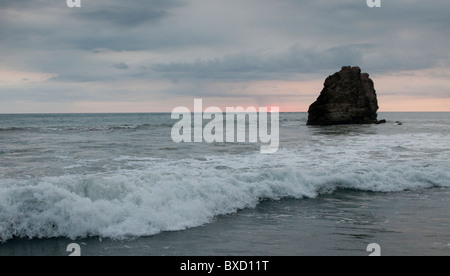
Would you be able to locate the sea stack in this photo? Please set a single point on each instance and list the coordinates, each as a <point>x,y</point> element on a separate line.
<point>348,97</point>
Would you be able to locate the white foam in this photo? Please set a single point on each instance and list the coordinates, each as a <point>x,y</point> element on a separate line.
<point>178,194</point>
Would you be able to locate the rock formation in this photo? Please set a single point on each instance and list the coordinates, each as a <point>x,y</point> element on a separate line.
<point>348,97</point>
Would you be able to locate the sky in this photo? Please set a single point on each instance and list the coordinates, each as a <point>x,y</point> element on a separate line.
<point>155,55</point>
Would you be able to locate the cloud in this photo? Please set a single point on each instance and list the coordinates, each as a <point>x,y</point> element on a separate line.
<point>258,65</point>
<point>11,77</point>
<point>114,24</point>
<point>121,66</point>
<point>22,4</point>
<point>125,18</point>
<point>205,47</point>
<point>290,63</point>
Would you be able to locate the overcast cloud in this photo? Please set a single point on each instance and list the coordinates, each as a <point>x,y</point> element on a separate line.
<point>166,52</point>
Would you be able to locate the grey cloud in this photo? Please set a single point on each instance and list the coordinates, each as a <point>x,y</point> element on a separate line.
<point>259,66</point>
<point>198,41</point>
<point>72,78</point>
<point>89,4</point>
<point>115,41</point>
<point>125,18</point>
<point>121,66</point>
<point>126,14</point>
<point>298,60</point>
<point>116,25</point>
<point>23,4</point>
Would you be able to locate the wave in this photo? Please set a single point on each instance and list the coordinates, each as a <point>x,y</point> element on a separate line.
<point>124,127</point>
<point>85,128</point>
<point>171,195</point>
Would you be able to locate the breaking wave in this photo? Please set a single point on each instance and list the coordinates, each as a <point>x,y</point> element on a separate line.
<point>168,195</point>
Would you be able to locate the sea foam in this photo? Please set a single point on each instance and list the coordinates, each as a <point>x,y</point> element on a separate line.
<point>167,195</point>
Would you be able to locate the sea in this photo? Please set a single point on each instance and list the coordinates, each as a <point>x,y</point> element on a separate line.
<point>117,184</point>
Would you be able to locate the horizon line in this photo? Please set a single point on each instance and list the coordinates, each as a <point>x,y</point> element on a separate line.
<point>169,112</point>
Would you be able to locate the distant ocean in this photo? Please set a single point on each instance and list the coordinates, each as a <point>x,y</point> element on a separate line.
<point>118,185</point>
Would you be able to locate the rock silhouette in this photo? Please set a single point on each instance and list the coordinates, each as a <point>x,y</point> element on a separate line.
<point>348,97</point>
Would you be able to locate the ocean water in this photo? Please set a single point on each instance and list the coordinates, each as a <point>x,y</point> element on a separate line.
<point>118,185</point>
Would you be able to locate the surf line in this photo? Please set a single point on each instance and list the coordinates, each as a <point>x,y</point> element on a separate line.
<point>235,130</point>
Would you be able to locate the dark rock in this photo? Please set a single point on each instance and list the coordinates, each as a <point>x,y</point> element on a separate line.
<point>399,123</point>
<point>348,97</point>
